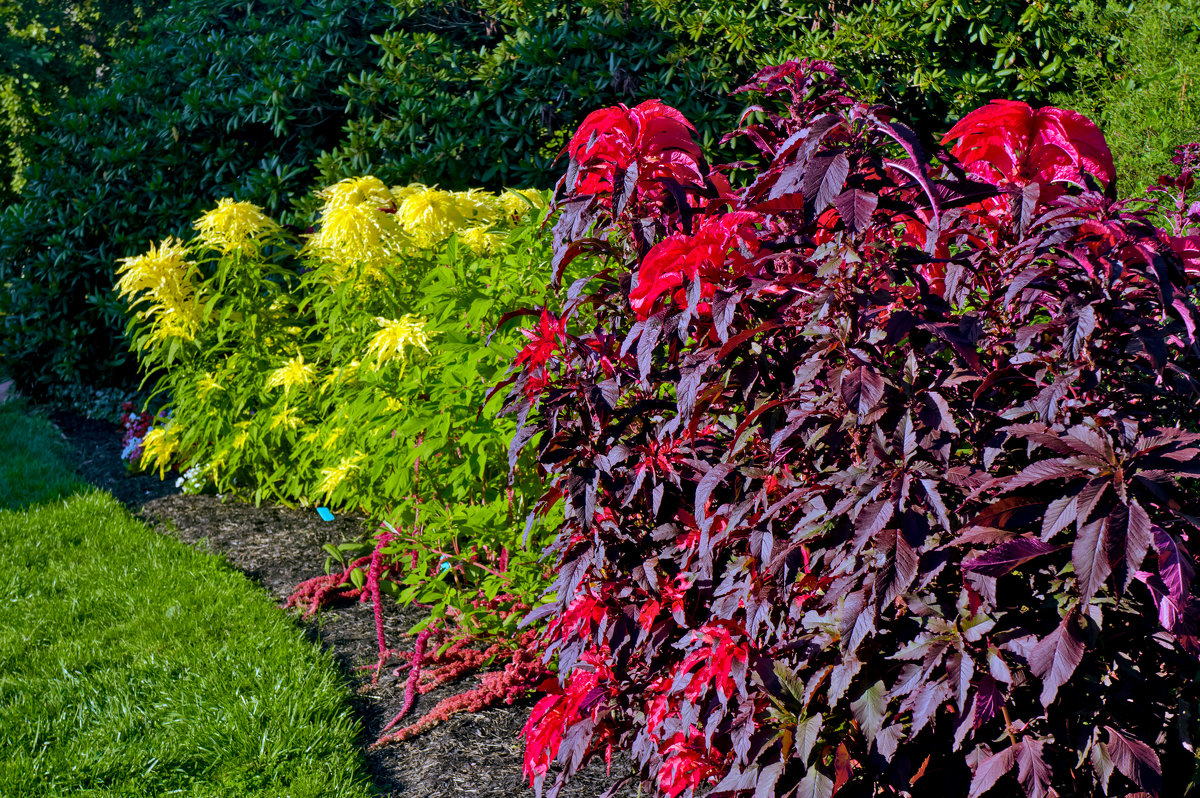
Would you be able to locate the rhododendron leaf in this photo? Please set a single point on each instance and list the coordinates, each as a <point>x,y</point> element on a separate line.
<point>1136,761</point>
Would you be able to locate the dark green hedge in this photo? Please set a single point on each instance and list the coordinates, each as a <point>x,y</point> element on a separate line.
<point>217,99</point>
<point>262,100</point>
<point>487,91</point>
<point>51,50</point>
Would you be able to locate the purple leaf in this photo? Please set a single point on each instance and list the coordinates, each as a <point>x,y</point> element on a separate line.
<point>961,669</point>
<point>1136,760</point>
<point>647,343</point>
<point>1090,558</point>
<point>1042,471</point>
<point>869,709</point>
<point>988,699</point>
<point>1060,514</point>
<point>925,703</point>
<point>1008,556</point>
<point>824,180</point>
<point>871,520</point>
<point>704,489</point>
<point>1129,539</point>
<point>898,570</point>
<point>815,784</point>
<point>1055,657</point>
<point>1174,565</point>
<point>1101,763</point>
<point>856,207</point>
<point>990,770</point>
<point>861,389</point>
<point>807,731</point>
<point>888,740</point>
<point>1032,770</point>
<point>767,777</point>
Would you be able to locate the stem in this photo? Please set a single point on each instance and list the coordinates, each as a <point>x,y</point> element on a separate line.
<point>1008,725</point>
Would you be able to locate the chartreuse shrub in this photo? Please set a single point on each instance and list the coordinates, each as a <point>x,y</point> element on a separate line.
<point>487,91</point>
<point>216,98</point>
<point>877,472</point>
<point>132,665</point>
<point>350,369</point>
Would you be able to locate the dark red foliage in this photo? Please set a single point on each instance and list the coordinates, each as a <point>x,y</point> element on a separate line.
<point>876,477</point>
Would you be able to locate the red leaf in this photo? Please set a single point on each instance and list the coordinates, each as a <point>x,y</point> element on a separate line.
<point>1008,142</point>
<point>843,767</point>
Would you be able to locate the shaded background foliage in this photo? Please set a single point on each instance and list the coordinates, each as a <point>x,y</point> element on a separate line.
<point>215,99</point>
<point>52,50</point>
<point>473,91</point>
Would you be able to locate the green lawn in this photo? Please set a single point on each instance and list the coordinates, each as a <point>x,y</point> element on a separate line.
<point>132,665</point>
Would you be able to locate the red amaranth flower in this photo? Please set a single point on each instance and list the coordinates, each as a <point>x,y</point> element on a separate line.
<point>687,763</point>
<point>1007,141</point>
<point>711,255</point>
<point>653,136</point>
<point>550,333</point>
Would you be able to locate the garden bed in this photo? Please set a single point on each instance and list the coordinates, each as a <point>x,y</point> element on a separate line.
<point>473,754</point>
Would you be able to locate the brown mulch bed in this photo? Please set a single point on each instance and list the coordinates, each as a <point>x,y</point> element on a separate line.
<point>474,754</point>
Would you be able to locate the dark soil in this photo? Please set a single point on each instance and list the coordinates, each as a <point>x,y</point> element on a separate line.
<point>473,754</point>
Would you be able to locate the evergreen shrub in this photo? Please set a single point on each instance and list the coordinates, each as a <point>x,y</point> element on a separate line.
<point>486,92</point>
<point>215,99</point>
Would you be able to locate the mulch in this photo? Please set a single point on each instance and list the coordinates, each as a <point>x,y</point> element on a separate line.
<point>475,755</point>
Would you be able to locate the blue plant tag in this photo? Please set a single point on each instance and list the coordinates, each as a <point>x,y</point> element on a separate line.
<point>324,513</point>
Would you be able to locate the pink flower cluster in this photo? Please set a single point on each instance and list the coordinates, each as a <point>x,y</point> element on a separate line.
<point>136,425</point>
